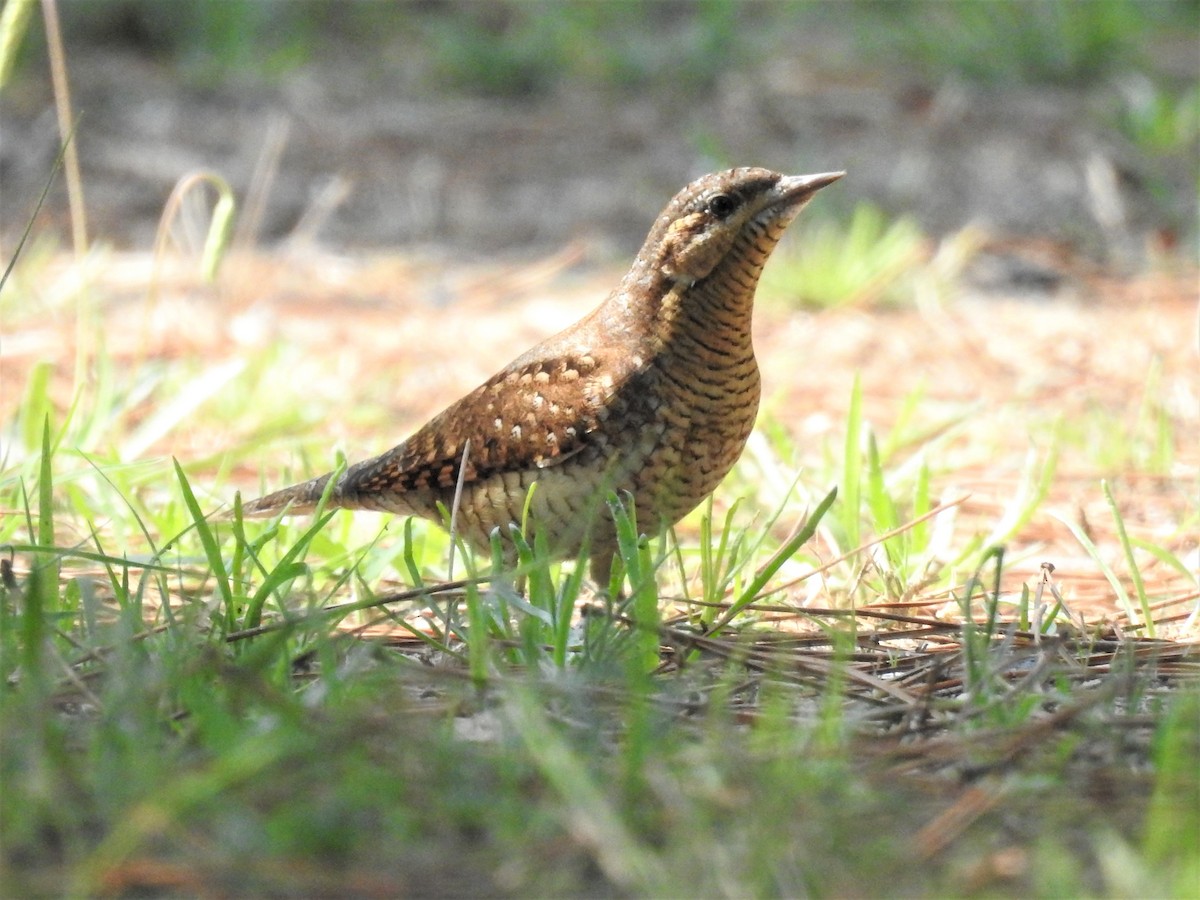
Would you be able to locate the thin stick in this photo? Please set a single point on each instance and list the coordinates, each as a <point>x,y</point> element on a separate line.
<point>266,167</point>
<point>62,106</point>
<point>458,490</point>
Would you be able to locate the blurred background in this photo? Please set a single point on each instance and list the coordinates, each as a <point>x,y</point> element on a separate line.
<point>485,128</point>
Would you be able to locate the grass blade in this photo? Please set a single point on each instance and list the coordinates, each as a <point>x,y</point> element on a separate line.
<point>1139,586</point>
<point>786,552</point>
<point>47,562</point>
<point>208,540</point>
<point>851,489</point>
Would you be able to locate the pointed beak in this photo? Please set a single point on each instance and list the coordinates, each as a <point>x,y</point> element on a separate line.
<point>794,189</point>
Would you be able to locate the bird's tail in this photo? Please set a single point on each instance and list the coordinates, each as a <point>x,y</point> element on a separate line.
<point>297,499</point>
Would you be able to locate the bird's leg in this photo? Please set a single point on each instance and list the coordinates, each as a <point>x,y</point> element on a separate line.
<point>600,567</point>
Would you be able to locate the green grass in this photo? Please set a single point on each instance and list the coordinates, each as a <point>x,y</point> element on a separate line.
<point>868,261</point>
<point>301,758</point>
<point>515,48</point>
<point>1159,120</point>
<point>1032,41</point>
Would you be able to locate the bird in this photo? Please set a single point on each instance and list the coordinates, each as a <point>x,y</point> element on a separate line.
<point>652,395</point>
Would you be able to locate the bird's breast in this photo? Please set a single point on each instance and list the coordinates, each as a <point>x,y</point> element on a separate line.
<point>699,408</point>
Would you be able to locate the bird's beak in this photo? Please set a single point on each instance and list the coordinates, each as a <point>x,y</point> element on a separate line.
<point>795,189</point>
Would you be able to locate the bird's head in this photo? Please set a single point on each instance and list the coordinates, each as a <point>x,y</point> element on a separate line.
<point>745,208</point>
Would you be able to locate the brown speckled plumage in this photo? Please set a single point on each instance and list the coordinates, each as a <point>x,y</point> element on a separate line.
<point>653,393</point>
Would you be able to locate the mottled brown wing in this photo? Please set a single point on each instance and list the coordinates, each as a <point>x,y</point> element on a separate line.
<point>529,416</point>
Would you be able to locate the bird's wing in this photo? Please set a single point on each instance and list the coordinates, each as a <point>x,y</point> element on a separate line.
<point>534,414</point>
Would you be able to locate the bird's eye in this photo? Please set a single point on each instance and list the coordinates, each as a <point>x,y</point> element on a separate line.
<point>722,205</point>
